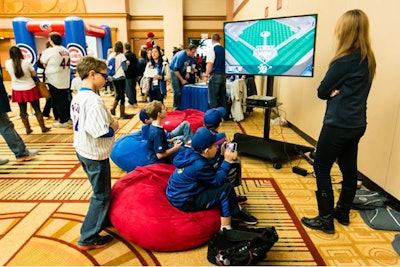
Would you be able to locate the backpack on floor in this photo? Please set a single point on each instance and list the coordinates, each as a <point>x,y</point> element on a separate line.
<point>241,246</point>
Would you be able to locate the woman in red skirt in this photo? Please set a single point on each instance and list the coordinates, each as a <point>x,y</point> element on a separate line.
<point>23,87</point>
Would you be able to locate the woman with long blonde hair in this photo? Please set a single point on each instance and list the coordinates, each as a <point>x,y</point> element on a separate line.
<point>345,87</point>
<point>23,87</point>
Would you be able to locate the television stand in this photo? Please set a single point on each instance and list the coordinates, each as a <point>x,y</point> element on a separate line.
<point>266,148</point>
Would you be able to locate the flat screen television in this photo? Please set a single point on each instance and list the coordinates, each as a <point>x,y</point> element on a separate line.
<point>282,46</point>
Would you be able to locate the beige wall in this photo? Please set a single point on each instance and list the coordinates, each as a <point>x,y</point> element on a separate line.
<point>379,151</point>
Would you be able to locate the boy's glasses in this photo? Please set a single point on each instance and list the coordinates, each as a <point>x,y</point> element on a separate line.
<point>105,75</point>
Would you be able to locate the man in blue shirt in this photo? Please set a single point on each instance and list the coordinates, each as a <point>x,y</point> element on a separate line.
<point>181,66</point>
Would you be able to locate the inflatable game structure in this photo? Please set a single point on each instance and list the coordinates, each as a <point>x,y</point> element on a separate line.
<point>73,30</point>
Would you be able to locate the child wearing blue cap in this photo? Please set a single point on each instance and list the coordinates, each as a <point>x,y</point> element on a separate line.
<point>196,185</point>
<point>213,119</point>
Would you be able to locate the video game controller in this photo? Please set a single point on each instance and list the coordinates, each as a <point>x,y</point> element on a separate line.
<point>177,141</point>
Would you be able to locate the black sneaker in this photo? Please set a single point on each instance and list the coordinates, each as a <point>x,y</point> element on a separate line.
<point>102,242</point>
<point>241,199</point>
<point>245,217</point>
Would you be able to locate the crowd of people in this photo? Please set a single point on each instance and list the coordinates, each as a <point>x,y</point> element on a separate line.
<point>77,105</point>
<point>202,159</point>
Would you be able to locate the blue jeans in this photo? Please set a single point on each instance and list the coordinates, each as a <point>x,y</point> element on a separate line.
<point>176,90</point>
<point>217,91</point>
<point>12,138</point>
<point>182,132</point>
<point>341,144</point>
<point>99,175</point>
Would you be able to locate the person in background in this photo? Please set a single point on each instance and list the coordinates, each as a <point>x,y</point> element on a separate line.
<point>158,85</point>
<point>158,145</point>
<point>181,66</point>
<point>49,101</point>
<point>131,75</point>
<point>215,73</point>
<point>8,132</point>
<point>121,65</point>
<point>94,133</point>
<point>196,185</point>
<point>142,62</point>
<point>345,87</point>
<point>109,83</point>
<point>76,83</point>
<point>23,88</point>
<point>56,61</point>
<point>150,43</point>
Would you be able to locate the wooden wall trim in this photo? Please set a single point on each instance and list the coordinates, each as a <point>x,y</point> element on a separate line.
<point>141,33</point>
<point>244,2</point>
<point>187,18</point>
<point>146,18</point>
<point>7,33</point>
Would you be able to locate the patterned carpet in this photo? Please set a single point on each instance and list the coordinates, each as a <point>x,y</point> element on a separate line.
<point>43,203</point>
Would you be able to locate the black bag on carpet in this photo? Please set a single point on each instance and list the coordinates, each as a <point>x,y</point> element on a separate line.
<point>241,246</point>
<point>235,173</point>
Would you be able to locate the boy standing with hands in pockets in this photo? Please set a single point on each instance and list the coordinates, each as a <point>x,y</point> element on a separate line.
<point>94,129</point>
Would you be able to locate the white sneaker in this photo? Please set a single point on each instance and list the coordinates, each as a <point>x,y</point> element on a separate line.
<point>3,161</point>
<point>61,125</point>
<point>33,152</point>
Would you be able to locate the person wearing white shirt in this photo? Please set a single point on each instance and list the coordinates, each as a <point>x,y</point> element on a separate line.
<point>94,135</point>
<point>23,87</point>
<point>119,79</point>
<point>57,72</point>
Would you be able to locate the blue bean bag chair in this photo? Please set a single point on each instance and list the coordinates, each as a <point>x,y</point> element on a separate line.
<point>130,151</point>
<point>142,214</point>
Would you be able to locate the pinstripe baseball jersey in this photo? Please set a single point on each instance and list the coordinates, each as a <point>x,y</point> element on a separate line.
<point>91,120</point>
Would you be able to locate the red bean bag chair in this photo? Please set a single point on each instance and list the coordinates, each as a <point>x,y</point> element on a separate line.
<point>174,118</point>
<point>195,118</point>
<point>142,214</point>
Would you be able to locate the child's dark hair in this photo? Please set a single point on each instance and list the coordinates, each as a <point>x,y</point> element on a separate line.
<point>88,63</point>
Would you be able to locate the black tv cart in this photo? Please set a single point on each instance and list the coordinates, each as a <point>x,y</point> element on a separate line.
<point>266,148</point>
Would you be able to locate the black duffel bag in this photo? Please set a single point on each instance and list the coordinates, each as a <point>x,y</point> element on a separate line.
<point>241,246</point>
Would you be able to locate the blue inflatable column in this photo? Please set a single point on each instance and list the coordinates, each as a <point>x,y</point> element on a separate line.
<point>75,39</point>
<point>106,41</point>
<point>24,39</point>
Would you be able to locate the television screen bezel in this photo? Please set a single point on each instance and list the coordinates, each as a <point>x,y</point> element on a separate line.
<point>275,18</point>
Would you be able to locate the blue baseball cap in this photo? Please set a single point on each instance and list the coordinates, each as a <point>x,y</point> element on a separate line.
<point>202,139</point>
<point>143,115</point>
<point>214,116</point>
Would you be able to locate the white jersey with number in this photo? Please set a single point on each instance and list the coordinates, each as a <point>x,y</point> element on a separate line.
<point>91,120</point>
<point>57,70</point>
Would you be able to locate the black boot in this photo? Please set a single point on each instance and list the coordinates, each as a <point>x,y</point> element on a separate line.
<point>324,221</point>
<point>343,206</point>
